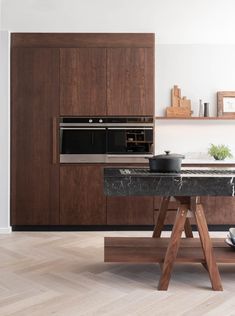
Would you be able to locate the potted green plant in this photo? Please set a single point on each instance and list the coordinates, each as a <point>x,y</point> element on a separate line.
<point>220,152</point>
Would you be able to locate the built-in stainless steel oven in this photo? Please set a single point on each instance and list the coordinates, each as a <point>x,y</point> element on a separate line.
<point>105,139</point>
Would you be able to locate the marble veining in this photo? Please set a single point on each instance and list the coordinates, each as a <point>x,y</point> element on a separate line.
<point>232,184</point>
<point>118,183</point>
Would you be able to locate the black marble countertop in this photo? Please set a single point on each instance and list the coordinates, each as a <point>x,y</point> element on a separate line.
<point>190,182</point>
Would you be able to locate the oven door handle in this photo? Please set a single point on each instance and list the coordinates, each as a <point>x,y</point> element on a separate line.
<point>83,128</point>
<point>147,155</point>
<point>129,128</point>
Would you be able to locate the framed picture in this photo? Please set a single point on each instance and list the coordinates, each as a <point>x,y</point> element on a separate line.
<point>226,103</point>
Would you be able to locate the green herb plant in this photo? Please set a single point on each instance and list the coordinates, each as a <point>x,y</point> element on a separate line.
<point>220,152</point>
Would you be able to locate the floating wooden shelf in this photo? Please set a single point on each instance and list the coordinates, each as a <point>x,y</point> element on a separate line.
<point>148,249</point>
<point>195,118</point>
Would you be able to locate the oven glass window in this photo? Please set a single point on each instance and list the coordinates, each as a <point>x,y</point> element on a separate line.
<point>116,141</point>
<point>82,141</point>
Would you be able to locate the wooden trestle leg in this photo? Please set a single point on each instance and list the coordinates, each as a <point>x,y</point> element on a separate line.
<point>188,229</point>
<point>161,217</point>
<point>173,247</point>
<point>182,223</point>
<point>206,243</point>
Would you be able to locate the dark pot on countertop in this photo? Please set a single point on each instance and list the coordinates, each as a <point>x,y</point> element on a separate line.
<point>166,163</point>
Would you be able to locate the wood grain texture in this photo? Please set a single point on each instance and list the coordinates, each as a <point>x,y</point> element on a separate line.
<point>55,148</point>
<point>173,247</point>
<point>171,212</point>
<point>34,102</point>
<point>147,249</point>
<point>161,217</point>
<point>83,81</point>
<point>82,201</point>
<point>130,81</point>
<point>63,274</point>
<point>130,210</point>
<point>173,205</point>
<point>219,210</point>
<point>82,40</point>
<point>188,229</point>
<point>207,248</point>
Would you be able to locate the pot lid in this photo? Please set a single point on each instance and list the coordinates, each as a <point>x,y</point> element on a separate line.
<point>168,155</point>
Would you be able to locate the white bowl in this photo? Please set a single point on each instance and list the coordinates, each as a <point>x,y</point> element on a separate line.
<point>232,234</point>
<point>232,231</point>
<point>229,242</point>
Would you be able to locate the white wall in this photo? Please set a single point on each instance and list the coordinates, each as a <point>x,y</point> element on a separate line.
<point>193,138</point>
<point>174,21</point>
<point>4,135</point>
<point>200,70</point>
<point>184,29</point>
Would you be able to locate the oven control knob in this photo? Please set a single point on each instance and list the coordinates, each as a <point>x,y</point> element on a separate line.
<point>100,121</point>
<point>90,121</point>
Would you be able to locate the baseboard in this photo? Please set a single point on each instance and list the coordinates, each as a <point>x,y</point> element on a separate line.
<point>5,230</point>
<point>105,227</point>
<point>81,227</point>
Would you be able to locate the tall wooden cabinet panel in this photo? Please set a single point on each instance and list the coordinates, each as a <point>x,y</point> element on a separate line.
<point>130,80</point>
<point>57,75</point>
<point>130,210</point>
<point>83,81</point>
<point>35,102</point>
<point>82,200</point>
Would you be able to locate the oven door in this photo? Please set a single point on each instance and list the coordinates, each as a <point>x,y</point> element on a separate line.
<point>129,140</point>
<point>82,144</point>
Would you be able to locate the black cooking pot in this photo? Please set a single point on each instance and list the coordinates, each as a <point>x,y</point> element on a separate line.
<point>166,163</point>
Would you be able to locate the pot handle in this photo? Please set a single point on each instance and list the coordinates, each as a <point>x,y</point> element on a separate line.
<point>167,152</point>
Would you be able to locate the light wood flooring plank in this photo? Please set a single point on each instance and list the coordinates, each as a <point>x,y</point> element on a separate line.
<point>63,274</point>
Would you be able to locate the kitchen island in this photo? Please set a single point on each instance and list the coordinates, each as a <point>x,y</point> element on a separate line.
<point>186,188</point>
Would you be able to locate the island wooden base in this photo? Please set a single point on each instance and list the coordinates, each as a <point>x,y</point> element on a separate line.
<point>153,250</point>
<point>167,251</point>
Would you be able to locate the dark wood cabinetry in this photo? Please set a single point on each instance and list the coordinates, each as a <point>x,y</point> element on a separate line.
<point>82,200</point>
<point>62,74</point>
<point>127,89</point>
<point>219,210</point>
<point>130,210</point>
<point>83,81</point>
<point>130,80</point>
<point>35,99</point>
<point>115,79</point>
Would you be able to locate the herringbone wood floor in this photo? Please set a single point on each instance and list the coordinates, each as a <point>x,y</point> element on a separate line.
<point>63,273</point>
